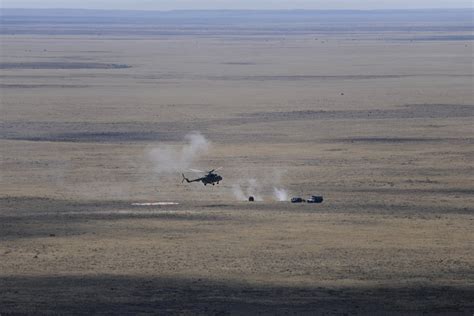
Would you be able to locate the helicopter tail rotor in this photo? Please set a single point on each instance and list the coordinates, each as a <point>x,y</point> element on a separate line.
<point>184,178</point>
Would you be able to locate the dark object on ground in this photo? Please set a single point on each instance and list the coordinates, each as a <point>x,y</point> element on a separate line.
<point>315,199</point>
<point>251,199</point>
<point>52,235</point>
<point>297,200</point>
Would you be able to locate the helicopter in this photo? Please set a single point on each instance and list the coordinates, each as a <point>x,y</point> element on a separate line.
<point>211,177</point>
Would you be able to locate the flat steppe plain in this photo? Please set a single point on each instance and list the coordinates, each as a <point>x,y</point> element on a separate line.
<point>378,122</point>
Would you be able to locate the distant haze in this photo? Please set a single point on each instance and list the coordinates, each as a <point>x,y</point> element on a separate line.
<point>237,4</point>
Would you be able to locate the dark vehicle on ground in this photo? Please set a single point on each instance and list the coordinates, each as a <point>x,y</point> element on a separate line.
<point>315,199</point>
<point>297,200</point>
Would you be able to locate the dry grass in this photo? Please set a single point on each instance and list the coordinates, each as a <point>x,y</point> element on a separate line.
<point>383,129</point>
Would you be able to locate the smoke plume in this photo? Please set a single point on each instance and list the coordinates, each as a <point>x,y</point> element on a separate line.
<point>168,159</point>
<point>238,192</point>
<point>280,194</point>
<point>251,187</point>
<point>268,184</point>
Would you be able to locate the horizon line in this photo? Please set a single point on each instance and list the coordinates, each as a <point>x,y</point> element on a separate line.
<point>252,10</point>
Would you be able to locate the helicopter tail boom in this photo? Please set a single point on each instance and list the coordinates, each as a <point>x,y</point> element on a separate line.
<point>189,181</point>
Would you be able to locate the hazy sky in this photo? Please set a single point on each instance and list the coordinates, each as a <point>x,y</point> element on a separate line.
<point>237,4</point>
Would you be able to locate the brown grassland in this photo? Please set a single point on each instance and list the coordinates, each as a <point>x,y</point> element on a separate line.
<point>378,122</point>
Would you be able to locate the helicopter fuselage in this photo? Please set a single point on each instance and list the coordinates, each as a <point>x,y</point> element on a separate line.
<point>211,179</point>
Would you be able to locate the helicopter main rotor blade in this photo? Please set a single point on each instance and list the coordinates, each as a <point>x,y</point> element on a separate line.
<point>196,170</point>
<point>214,170</point>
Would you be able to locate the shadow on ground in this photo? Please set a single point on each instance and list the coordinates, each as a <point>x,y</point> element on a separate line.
<point>132,295</point>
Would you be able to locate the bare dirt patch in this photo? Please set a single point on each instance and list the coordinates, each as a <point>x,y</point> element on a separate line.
<point>38,86</point>
<point>60,65</point>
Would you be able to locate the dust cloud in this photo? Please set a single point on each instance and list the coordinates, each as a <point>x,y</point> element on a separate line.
<point>243,189</point>
<point>280,194</point>
<point>168,159</point>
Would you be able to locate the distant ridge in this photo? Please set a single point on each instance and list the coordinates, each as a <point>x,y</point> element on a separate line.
<point>81,12</point>
<point>449,24</point>
<point>411,14</point>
